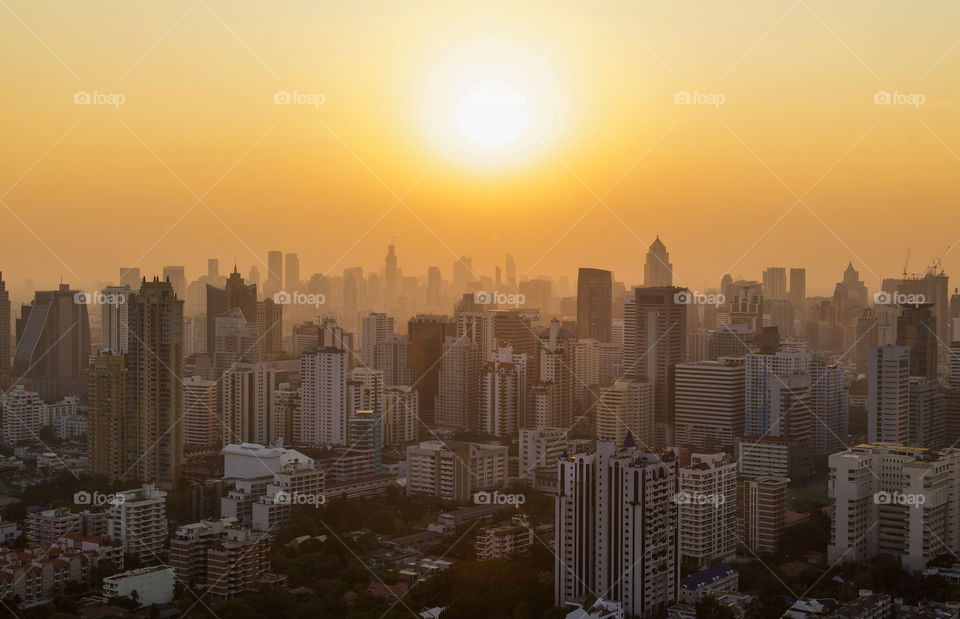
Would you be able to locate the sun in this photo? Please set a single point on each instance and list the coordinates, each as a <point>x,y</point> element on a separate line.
<point>491,107</point>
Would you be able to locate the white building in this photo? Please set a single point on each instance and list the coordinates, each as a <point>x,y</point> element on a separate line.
<point>709,402</point>
<point>540,448</point>
<point>248,460</point>
<point>22,411</point>
<point>503,387</point>
<point>894,500</point>
<point>626,406</point>
<point>154,585</point>
<point>246,395</point>
<point>454,470</point>
<point>888,395</point>
<point>457,383</point>
<point>763,373</point>
<point>708,509</point>
<point>200,426</point>
<point>138,520</point>
<point>401,407</point>
<point>375,328</point>
<point>617,529</point>
<point>323,397</point>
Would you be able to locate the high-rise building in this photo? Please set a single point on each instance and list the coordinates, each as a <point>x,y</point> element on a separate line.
<point>745,305</point>
<point>401,416</point>
<point>540,448</point>
<point>107,416</point>
<point>594,299</point>
<point>768,377</point>
<point>392,356</point>
<point>138,520</point>
<point>831,407</point>
<point>236,341</point>
<point>779,313</point>
<point>53,343</point>
<point>657,270</point>
<point>710,403</point>
<point>375,328</point>
<point>22,411</point>
<point>657,328</point>
<point>4,325</point>
<point>365,438</point>
<point>764,513</point>
<point>708,509</point>
<point>269,328</point>
<point>235,294</point>
<point>113,319</point>
<point>246,396</point>
<point>154,431</point>
<point>626,407</point>
<point>200,424</point>
<point>323,397</point>
<point>866,334</point>
<point>176,275</point>
<point>917,329</point>
<point>441,469</point>
<point>617,529</point>
<point>459,384</point>
<point>293,272</point>
<point>895,500</point>
<point>933,286</point>
<point>557,361</point>
<point>927,414</point>
<point>391,273</point>
<point>130,276</point>
<point>274,271</point>
<point>427,335</point>
<point>888,395</point>
<point>775,283</point>
<point>502,390</point>
<point>798,291</point>
<point>284,409</point>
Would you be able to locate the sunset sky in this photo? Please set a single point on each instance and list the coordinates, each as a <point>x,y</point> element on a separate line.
<point>199,161</point>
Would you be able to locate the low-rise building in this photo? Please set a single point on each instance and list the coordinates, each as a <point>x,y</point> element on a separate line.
<point>504,541</point>
<point>153,585</point>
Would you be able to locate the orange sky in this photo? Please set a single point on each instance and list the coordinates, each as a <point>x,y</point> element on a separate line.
<point>96,187</point>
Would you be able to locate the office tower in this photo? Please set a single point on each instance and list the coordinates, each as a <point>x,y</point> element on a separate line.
<point>365,435</point>
<point>213,269</point>
<point>306,336</point>
<point>462,274</point>
<point>392,356</point>
<point>323,397</point>
<point>866,337</point>
<point>953,366</point>
<point>236,341</point>
<point>888,394</point>
<point>764,514</point>
<point>708,509</point>
<point>710,403</point>
<point>557,361</point>
<point>114,307</point>
<point>4,325</point>
<point>155,389</point>
<point>730,340</point>
<point>767,378</point>
<point>440,469</point>
<point>107,416</point>
<point>894,500</point>
<point>511,268</point>
<point>849,296</point>
<point>53,343</point>
<point>374,329</point>
<point>746,305</point>
<point>391,273</point>
<point>130,277</point>
<point>934,289</point>
<point>401,415</point>
<point>459,384</point>
<point>626,407</point>
<point>540,448</point>
<point>274,269</point>
<point>235,294</point>
<point>284,409</point>
<point>798,291</point>
<point>775,283</point>
<point>200,424</point>
<point>502,391</point>
<point>595,364</point>
<point>353,294</point>
<point>434,287</point>
<point>617,529</point>
<point>254,275</point>
<point>269,328</point>
<point>927,414</point>
<point>21,415</point>
<point>537,294</point>
<point>831,406</point>
<point>779,314</point>
<point>365,390</point>
<point>138,520</point>
<point>477,327</point>
<point>657,270</point>
<point>176,275</point>
<point>594,298</point>
<point>657,328</point>
<point>293,272</point>
<point>246,396</point>
<point>917,330</point>
<point>427,335</point>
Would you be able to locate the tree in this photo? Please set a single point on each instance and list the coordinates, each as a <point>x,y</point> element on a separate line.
<point>709,608</point>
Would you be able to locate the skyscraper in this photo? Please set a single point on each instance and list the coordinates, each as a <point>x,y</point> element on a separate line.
<point>594,297</point>
<point>374,329</point>
<point>269,328</point>
<point>768,382</point>
<point>458,384</point>
<point>708,509</point>
<point>155,384</point>
<point>888,394</point>
<point>113,319</point>
<point>710,403</point>
<point>246,398</point>
<point>775,283</point>
<point>917,330</point>
<point>235,294</point>
<point>293,273</point>
<point>626,407</point>
<point>427,335</point>
<point>323,397</point>
<point>657,271</point>
<point>176,276</point>
<point>107,416</point>
<point>617,529</point>
<point>558,349</point>
<point>130,276</point>
<point>503,390</point>
<point>274,269</point>
<point>798,291</point>
<point>4,325</point>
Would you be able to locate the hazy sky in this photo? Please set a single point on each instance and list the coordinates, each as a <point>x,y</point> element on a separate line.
<point>199,161</point>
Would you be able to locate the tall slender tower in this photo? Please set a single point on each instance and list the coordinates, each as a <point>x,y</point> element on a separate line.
<point>4,325</point>
<point>658,271</point>
<point>107,416</point>
<point>594,298</point>
<point>154,433</point>
<point>293,272</point>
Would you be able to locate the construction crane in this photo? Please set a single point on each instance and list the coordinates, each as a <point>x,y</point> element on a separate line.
<point>906,262</point>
